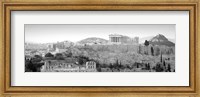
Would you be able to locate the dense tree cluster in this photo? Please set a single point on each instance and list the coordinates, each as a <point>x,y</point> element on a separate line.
<point>121,57</point>
<point>34,64</point>
<point>49,55</point>
<point>115,58</point>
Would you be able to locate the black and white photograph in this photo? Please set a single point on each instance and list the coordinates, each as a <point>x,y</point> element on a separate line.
<point>99,47</point>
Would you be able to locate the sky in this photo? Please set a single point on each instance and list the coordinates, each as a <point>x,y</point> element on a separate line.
<point>51,33</point>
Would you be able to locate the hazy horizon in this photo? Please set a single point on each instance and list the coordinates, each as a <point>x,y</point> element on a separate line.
<point>52,33</point>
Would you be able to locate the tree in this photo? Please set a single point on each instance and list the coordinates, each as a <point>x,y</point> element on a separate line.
<point>28,66</point>
<point>146,66</point>
<point>68,53</point>
<point>164,63</point>
<point>159,68</point>
<point>98,66</point>
<point>34,64</point>
<point>120,65</point>
<point>117,63</point>
<point>59,56</point>
<point>111,66</point>
<point>149,66</point>
<point>169,68</point>
<point>140,49</point>
<point>36,58</point>
<point>152,51</point>
<point>49,55</point>
<point>146,43</point>
<point>80,60</point>
<point>161,57</point>
<point>137,65</point>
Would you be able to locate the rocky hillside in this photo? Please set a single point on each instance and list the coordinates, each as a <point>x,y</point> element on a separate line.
<point>161,40</point>
<point>93,40</point>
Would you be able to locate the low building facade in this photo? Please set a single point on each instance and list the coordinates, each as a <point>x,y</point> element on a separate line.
<point>62,66</point>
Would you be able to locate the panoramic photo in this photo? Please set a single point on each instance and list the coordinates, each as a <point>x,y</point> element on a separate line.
<point>99,47</point>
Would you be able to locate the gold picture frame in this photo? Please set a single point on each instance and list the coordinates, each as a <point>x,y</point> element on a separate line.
<point>120,5</point>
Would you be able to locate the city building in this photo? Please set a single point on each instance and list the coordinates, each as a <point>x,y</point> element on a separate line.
<point>60,50</point>
<point>91,66</point>
<point>66,66</point>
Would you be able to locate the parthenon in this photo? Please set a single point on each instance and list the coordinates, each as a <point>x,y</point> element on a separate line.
<point>121,39</point>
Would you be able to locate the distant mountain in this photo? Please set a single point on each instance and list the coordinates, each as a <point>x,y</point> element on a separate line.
<point>93,40</point>
<point>161,40</point>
